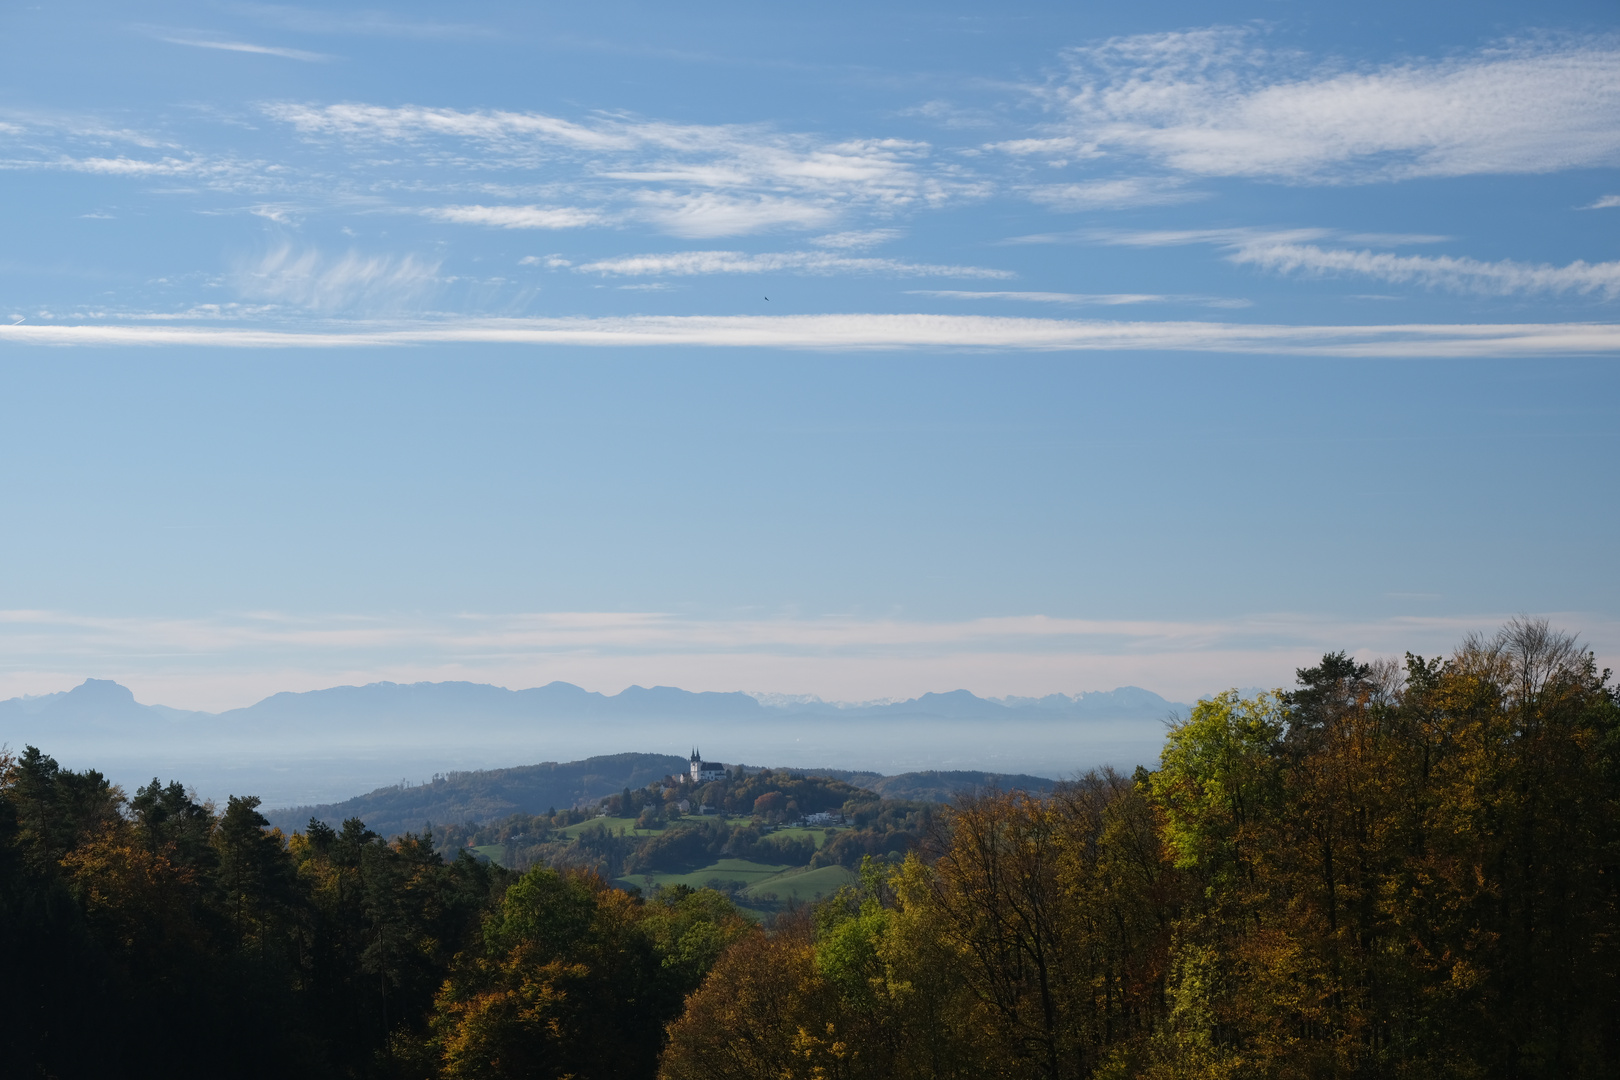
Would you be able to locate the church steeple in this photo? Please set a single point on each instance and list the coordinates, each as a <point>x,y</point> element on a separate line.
<point>704,771</point>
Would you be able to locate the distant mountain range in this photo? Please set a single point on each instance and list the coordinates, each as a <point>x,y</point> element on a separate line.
<point>102,706</point>
<point>314,748</point>
<point>94,703</point>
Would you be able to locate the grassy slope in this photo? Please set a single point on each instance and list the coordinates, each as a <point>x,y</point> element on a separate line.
<point>493,852</point>
<point>818,834</point>
<point>614,824</point>
<point>801,884</point>
<point>744,870</point>
<point>611,824</point>
<point>763,882</point>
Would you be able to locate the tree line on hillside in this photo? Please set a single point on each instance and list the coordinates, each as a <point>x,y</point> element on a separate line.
<point>1389,871</point>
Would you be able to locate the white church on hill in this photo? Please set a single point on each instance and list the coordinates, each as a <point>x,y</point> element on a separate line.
<point>704,771</point>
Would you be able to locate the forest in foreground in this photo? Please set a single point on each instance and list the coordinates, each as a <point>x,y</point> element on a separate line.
<point>1389,870</point>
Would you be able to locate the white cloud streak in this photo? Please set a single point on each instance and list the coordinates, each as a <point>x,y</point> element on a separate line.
<point>117,166</point>
<point>1607,202</point>
<point>411,122</point>
<point>1114,194</point>
<point>516,217</point>
<point>688,263</point>
<point>248,47</point>
<point>122,166</point>
<point>76,126</point>
<point>1504,277</point>
<point>856,240</point>
<point>1289,252</point>
<point>1217,103</point>
<point>1150,238</point>
<point>883,332</point>
<point>217,172</point>
<point>706,214</point>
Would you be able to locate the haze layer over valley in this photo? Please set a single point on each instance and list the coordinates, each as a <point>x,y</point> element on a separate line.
<point>324,745</point>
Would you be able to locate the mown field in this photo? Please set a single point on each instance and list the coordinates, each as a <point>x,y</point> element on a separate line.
<point>745,871</point>
<point>628,825</point>
<point>611,824</point>
<point>800,884</point>
<point>819,834</point>
<point>756,884</point>
<point>760,886</point>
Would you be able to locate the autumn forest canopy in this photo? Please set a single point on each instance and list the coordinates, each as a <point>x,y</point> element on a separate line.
<point>1391,869</point>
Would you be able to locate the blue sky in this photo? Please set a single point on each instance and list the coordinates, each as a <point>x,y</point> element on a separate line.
<point>856,350</point>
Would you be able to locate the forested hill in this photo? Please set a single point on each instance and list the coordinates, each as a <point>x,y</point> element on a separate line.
<point>934,786</point>
<point>487,794</point>
<point>491,794</point>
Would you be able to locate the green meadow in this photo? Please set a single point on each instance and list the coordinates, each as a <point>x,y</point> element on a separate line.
<point>613,825</point>
<point>761,883</point>
<point>628,826</point>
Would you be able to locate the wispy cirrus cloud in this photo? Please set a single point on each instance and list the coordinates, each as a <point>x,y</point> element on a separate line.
<point>228,45</point>
<point>1502,277</point>
<point>1292,251</point>
<point>516,217</point>
<point>1607,202</point>
<point>1218,102</point>
<point>856,239</point>
<point>191,172</point>
<point>124,166</point>
<point>685,179</point>
<point>67,143</point>
<point>411,123</point>
<point>280,213</point>
<point>79,127</point>
<point>864,332</point>
<point>688,263</point>
<point>319,282</point>
<point>702,215</point>
<point>1114,194</point>
<point>62,141</point>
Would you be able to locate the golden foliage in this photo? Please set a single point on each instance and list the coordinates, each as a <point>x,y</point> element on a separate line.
<point>1386,873</point>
